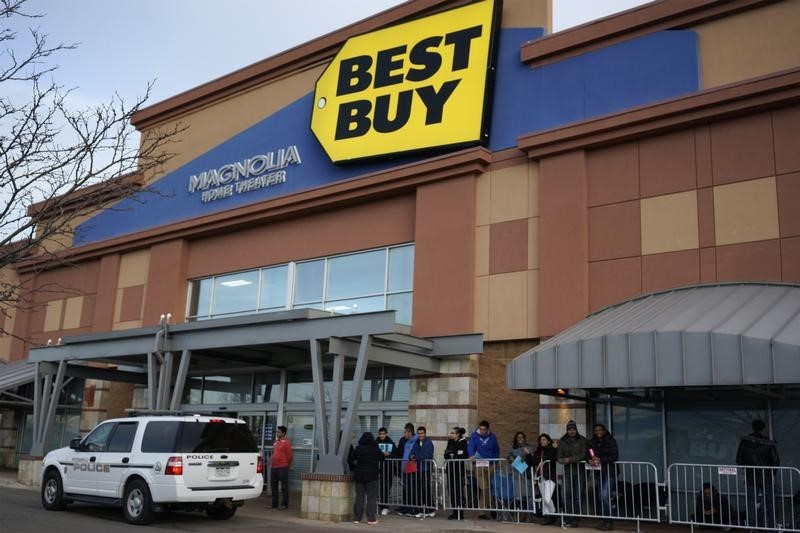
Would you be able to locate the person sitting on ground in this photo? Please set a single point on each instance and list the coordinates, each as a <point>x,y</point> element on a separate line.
<point>711,507</point>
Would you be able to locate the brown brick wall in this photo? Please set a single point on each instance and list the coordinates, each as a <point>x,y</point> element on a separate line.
<point>507,411</point>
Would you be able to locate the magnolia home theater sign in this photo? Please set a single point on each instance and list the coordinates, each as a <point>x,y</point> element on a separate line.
<point>414,86</point>
<point>255,172</point>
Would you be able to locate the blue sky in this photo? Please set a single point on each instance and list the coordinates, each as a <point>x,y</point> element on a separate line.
<point>180,44</point>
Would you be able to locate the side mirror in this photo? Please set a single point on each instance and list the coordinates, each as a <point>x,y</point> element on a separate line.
<point>75,443</point>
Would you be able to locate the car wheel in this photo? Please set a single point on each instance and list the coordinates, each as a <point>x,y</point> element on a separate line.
<point>53,492</point>
<point>138,504</point>
<point>221,512</point>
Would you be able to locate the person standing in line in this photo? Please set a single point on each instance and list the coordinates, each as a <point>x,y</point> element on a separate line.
<point>364,461</point>
<point>523,491</point>
<point>757,450</point>
<point>483,444</point>
<point>387,447</point>
<point>422,453</point>
<point>572,450</point>
<point>545,458</point>
<point>281,461</point>
<point>403,451</point>
<point>455,453</point>
<point>604,453</point>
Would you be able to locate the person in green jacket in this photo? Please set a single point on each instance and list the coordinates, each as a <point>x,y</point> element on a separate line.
<point>572,453</point>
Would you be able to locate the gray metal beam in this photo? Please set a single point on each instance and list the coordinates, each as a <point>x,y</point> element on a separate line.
<point>151,381</point>
<point>180,380</point>
<point>106,374</point>
<point>336,401</point>
<point>319,396</point>
<point>364,354</point>
<point>388,356</point>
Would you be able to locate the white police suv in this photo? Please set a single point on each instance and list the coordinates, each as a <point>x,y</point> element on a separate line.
<point>151,464</point>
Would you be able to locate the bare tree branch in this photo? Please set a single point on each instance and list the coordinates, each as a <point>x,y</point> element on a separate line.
<point>58,164</point>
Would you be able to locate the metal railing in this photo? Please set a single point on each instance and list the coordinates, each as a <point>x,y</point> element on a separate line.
<point>626,490</point>
<point>493,486</point>
<point>751,497</point>
<point>411,487</point>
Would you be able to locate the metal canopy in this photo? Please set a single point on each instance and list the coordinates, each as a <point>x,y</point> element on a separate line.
<point>735,334</point>
<point>162,357</point>
<point>13,375</point>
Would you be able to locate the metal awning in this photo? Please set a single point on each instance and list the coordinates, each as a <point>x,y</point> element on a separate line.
<point>303,339</point>
<point>13,375</point>
<point>707,335</point>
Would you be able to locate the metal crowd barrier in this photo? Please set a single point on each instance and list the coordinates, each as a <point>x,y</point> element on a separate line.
<point>410,493</point>
<point>725,496</point>
<point>489,486</point>
<point>628,490</point>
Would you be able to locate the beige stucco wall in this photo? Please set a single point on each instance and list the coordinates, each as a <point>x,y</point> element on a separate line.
<point>750,44</point>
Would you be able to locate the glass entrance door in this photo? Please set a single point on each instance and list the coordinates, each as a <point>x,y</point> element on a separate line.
<point>300,431</point>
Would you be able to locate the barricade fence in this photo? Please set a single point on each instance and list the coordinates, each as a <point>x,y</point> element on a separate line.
<point>718,496</point>
<point>411,487</point>
<point>493,486</point>
<point>626,490</point>
<point>750,497</point>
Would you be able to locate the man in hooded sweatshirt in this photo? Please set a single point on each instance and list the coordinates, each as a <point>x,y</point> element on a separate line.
<point>757,450</point>
<point>364,462</point>
<point>403,451</point>
<point>572,453</point>
<point>604,453</point>
<point>387,447</point>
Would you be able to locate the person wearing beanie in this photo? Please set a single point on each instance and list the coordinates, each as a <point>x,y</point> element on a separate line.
<point>572,453</point>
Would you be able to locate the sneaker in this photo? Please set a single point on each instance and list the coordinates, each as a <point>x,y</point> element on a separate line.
<point>420,515</point>
<point>373,522</point>
<point>356,522</point>
<point>385,511</point>
<point>430,515</point>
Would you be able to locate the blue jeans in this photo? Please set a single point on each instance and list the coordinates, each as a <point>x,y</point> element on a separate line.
<point>573,488</point>
<point>605,487</point>
<point>760,499</point>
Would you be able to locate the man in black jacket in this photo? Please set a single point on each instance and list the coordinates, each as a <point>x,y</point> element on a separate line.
<point>365,461</point>
<point>757,450</point>
<point>603,456</point>
<point>388,448</point>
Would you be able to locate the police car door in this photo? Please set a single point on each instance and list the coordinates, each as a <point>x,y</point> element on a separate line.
<point>115,460</point>
<point>81,477</point>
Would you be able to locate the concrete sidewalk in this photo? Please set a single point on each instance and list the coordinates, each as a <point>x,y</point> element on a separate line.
<point>258,509</point>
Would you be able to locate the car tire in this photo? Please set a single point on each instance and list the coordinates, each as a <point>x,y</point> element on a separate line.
<point>53,491</point>
<point>138,504</point>
<point>220,512</point>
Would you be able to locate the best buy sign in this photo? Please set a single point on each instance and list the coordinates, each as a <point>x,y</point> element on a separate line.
<point>417,85</point>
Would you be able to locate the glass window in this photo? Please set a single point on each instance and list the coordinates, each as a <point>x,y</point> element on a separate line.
<point>309,280</point>
<point>96,440</point>
<point>401,268</point>
<point>637,430</point>
<point>356,275</point>
<point>122,439</point>
<point>396,384</point>
<point>268,387</point>
<point>235,293</point>
<point>401,303</point>
<point>706,433</point>
<point>200,304</point>
<point>273,287</point>
<point>355,305</point>
<point>786,430</point>
<point>159,436</point>
<point>228,389</point>
<point>210,437</point>
<point>193,392</point>
<point>299,388</point>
